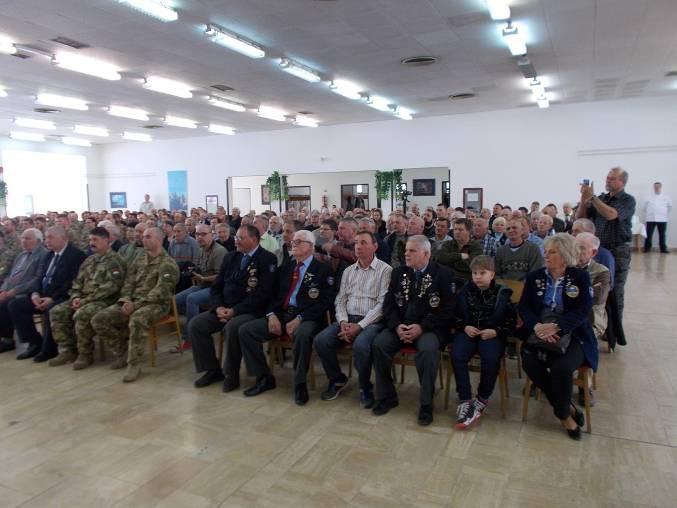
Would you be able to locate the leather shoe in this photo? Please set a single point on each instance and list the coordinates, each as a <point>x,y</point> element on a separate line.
<point>230,385</point>
<point>30,352</point>
<point>209,377</point>
<point>574,434</point>
<point>43,356</point>
<point>263,384</point>
<point>301,394</point>
<point>425,415</point>
<point>384,405</point>
<point>6,345</point>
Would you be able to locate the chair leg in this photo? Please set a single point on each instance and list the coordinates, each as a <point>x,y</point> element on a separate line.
<point>586,397</point>
<point>525,399</point>
<point>152,345</point>
<point>350,365</point>
<point>440,369</point>
<point>222,340</point>
<point>450,369</point>
<point>272,353</point>
<point>402,374</point>
<point>594,381</point>
<point>519,360</point>
<point>505,377</point>
<point>312,372</point>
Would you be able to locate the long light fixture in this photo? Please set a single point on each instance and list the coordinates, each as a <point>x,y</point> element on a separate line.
<point>537,87</point>
<point>61,101</point>
<point>168,86</point>
<point>6,46</point>
<point>515,40</point>
<point>125,112</point>
<point>304,121</point>
<point>379,103</point>
<point>32,123</point>
<point>155,8</point>
<point>543,101</point>
<point>403,113</point>
<point>177,121</point>
<point>272,113</point>
<point>221,103</point>
<point>234,42</point>
<point>68,140</point>
<point>498,9</point>
<point>26,136</point>
<point>86,65</point>
<point>300,71</point>
<point>221,129</point>
<point>345,88</point>
<point>91,130</point>
<point>136,136</point>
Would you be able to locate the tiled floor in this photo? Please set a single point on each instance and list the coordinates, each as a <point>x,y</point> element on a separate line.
<point>85,439</point>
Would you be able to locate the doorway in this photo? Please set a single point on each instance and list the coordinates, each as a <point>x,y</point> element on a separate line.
<point>355,196</point>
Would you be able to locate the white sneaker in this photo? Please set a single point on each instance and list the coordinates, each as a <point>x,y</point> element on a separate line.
<point>467,413</point>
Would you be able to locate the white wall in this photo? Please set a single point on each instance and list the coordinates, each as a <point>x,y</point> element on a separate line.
<point>515,155</point>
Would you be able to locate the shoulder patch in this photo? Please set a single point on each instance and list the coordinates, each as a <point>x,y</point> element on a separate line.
<point>167,275</point>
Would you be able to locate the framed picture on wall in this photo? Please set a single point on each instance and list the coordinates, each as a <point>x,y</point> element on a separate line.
<point>265,195</point>
<point>424,187</point>
<point>472,197</point>
<point>211,203</point>
<point>118,199</point>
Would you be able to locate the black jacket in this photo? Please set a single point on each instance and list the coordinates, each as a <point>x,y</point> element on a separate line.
<point>315,296</point>
<point>246,291</point>
<point>64,274</point>
<point>488,309</point>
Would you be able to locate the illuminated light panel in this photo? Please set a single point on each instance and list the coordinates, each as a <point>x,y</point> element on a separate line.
<point>61,101</point>
<point>31,123</point>
<point>136,136</point>
<point>272,113</point>
<point>168,86</point>
<point>234,42</point>
<point>347,89</point>
<point>221,103</point>
<point>86,65</point>
<point>125,112</point>
<point>67,140</point>
<point>155,8</point>
<point>300,71</point>
<point>91,130</point>
<point>26,136</point>
<point>177,121</point>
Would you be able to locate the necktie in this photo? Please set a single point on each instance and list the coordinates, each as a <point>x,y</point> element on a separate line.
<point>292,286</point>
<point>245,261</point>
<point>50,271</point>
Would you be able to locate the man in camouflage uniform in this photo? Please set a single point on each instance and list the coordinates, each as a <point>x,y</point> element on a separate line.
<point>96,286</point>
<point>87,227</point>
<point>7,255</point>
<point>134,245</point>
<point>11,237</point>
<point>145,297</point>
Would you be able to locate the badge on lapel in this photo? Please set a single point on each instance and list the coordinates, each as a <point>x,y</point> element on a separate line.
<point>313,293</point>
<point>572,291</point>
<point>434,301</point>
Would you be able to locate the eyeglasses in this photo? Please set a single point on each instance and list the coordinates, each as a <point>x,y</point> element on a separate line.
<point>299,242</point>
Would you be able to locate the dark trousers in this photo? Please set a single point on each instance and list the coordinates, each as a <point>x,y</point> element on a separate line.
<point>490,351</point>
<point>553,375</point>
<point>387,344</point>
<point>21,310</point>
<point>661,226</point>
<point>6,325</point>
<point>621,255</point>
<point>327,342</point>
<point>201,329</point>
<point>255,333</point>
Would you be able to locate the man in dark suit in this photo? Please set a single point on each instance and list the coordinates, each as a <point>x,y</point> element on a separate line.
<point>298,311</point>
<point>418,311</point>
<point>240,293</point>
<point>59,269</point>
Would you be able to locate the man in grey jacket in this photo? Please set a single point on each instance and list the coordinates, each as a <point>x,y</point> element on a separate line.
<point>23,279</point>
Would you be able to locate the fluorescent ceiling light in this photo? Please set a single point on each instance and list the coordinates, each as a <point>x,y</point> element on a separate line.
<point>272,113</point>
<point>537,87</point>
<point>177,121</point>
<point>376,102</point>
<point>220,103</point>
<point>61,101</point>
<point>67,140</point>
<point>26,136</point>
<point>514,40</point>
<point>221,129</point>
<point>304,121</point>
<point>234,42</point>
<point>125,112</point>
<point>498,9</point>
<point>345,88</point>
<point>86,65</point>
<point>136,136</point>
<point>6,46</point>
<point>168,86</point>
<point>90,130</point>
<point>31,123</point>
<point>298,70</point>
<point>543,101</point>
<point>155,8</point>
<point>403,113</point>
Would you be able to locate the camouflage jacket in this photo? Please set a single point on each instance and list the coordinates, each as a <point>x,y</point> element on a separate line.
<point>150,280</point>
<point>7,255</point>
<point>100,278</point>
<point>129,251</point>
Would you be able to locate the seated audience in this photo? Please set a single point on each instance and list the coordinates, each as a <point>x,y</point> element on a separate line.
<point>441,234</point>
<point>183,248</point>
<point>7,255</point>
<point>267,242</point>
<point>480,232</point>
<point>429,217</point>
<point>398,224</point>
<point>224,238</point>
<point>134,244</point>
<point>377,216</point>
<point>517,257</point>
<point>367,224</point>
<point>341,252</point>
<point>288,229</point>
<point>603,256</point>
<point>459,252</point>
<point>544,227</point>
<point>498,229</point>
<point>587,245</point>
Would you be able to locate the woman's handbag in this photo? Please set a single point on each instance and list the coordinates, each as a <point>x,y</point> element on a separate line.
<point>557,348</point>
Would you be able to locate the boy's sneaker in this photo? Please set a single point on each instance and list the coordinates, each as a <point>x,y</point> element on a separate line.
<point>366,399</point>
<point>466,414</point>
<point>334,389</point>
<point>480,405</point>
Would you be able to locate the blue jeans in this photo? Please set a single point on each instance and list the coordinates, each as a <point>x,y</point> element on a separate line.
<point>188,302</point>
<point>490,351</point>
<point>327,342</point>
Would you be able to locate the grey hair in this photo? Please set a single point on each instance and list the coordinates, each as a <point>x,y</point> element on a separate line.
<point>104,223</point>
<point>536,215</point>
<point>586,237</point>
<point>113,230</point>
<point>622,173</point>
<point>37,234</point>
<point>350,221</point>
<point>547,218</point>
<point>421,241</point>
<point>565,244</point>
<point>367,220</point>
<point>58,231</point>
<point>500,220</point>
<point>304,234</point>
<point>587,225</point>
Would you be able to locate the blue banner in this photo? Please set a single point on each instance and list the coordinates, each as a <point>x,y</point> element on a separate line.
<point>178,190</point>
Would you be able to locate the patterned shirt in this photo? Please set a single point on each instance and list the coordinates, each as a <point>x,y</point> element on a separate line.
<point>618,231</point>
<point>488,245</point>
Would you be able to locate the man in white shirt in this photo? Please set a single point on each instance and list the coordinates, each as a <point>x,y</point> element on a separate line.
<point>147,205</point>
<point>657,209</point>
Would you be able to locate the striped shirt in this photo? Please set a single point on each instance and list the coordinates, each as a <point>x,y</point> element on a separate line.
<point>488,245</point>
<point>363,291</point>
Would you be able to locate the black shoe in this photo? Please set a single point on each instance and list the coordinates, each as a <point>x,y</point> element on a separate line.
<point>366,399</point>
<point>301,394</point>
<point>209,377</point>
<point>575,434</point>
<point>43,356</point>
<point>425,415</point>
<point>230,385</point>
<point>383,406</point>
<point>578,416</point>
<point>665,252</point>
<point>6,345</point>
<point>334,389</point>
<point>30,352</point>
<point>263,384</point>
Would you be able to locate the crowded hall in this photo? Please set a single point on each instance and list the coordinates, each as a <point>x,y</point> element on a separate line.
<point>338,253</point>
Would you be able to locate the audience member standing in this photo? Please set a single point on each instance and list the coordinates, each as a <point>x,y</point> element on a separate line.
<point>657,209</point>
<point>147,205</point>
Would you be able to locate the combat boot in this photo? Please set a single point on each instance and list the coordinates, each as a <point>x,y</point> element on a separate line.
<point>120,362</point>
<point>133,371</point>
<point>62,359</point>
<point>82,362</point>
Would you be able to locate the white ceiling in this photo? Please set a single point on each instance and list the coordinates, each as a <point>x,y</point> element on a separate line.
<point>584,50</point>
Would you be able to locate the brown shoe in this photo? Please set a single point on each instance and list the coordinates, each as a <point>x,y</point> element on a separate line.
<point>133,372</point>
<point>82,362</point>
<point>62,359</point>
<point>119,363</point>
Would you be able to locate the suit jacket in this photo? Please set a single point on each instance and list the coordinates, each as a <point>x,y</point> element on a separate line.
<point>315,296</point>
<point>577,296</point>
<point>246,291</point>
<point>64,273</point>
<point>29,278</point>
<point>430,305</point>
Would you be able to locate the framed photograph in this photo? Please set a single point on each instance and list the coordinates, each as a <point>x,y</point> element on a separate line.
<point>118,199</point>
<point>472,197</point>
<point>265,195</point>
<point>211,203</point>
<point>424,187</point>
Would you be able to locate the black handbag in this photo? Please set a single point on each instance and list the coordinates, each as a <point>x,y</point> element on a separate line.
<point>557,348</point>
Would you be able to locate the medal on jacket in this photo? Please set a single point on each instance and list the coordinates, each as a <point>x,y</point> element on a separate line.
<point>425,284</point>
<point>434,301</point>
<point>572,291</point>
<point>405,286</point>
<point>253,280</point>
<point>313,293</point>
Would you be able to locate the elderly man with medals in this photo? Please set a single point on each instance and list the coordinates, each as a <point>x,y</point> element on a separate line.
<point>418,311</point>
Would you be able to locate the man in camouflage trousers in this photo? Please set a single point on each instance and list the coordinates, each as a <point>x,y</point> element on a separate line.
<point>96,286</point>
<point>7,254</point>
<point>145,297</point>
